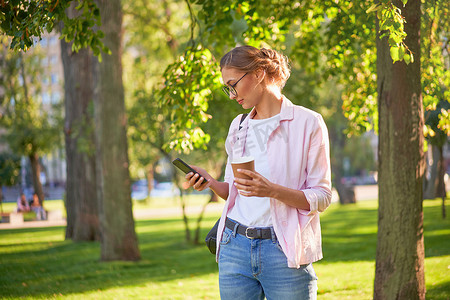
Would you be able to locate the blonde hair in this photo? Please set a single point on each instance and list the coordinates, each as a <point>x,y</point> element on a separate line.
<point>249,59</point>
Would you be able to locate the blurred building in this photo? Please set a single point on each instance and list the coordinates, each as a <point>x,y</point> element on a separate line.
<point>3,146</point>
<point>53,93</point>
<point>53,165</point>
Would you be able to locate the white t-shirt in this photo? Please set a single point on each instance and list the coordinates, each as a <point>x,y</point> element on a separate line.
<point>255,211</point>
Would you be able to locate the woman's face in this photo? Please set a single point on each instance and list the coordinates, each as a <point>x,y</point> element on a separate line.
<point>248,89</point>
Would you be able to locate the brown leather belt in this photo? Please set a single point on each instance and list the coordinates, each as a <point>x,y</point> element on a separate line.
<point>249,232</point>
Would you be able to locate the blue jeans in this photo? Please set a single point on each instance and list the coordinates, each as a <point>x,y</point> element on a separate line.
<point>40,212</point>
<point>257,268</point>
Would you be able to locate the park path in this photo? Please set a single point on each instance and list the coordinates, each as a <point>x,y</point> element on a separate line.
<point>367,192</point>
<point>141,214</point>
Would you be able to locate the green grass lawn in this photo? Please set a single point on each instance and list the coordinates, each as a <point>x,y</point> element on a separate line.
<point>38,264</point>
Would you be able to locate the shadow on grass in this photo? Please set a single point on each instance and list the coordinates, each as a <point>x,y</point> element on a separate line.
<point>45,269</point>
<point>349,233</point>
<point>439,291</point>
<point>50,266</point>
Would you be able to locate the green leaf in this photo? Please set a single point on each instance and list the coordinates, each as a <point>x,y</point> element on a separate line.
<point>397,38</point>
<point>385,34</point>
<point>407,58</point>
<point>394,53</point>
<point>373,8</point>
<point>401,51</point>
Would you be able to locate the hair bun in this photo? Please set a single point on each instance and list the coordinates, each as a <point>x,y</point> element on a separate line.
<point>268,52</point>
<point>276,65</point>
<point>250,59</point>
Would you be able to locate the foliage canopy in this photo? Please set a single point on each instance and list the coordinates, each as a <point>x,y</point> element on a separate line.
<point>25,20</point>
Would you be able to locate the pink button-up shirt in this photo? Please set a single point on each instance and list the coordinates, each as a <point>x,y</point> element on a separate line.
<point>298,157</point>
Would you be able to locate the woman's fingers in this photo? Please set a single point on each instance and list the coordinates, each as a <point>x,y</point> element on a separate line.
<point>244,190</point>
<point>242,187</point>
<point>257,186</point>
<point>200,185</point>
<point>196,181</point>
<point>249,173</point>
<point>193,179</point>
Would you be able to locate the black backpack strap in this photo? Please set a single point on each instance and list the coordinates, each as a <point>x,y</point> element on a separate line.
<point>242,120</point>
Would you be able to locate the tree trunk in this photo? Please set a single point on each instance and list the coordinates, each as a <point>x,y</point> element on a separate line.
<point>1,199</point>
<point>213,198</point>
<point>443,208</point>
<point>440,182</point>
<point>400,249</point>
<point>432,184</point>
<point>150,178</point>
<point>33,156</point>
<point>81,199</point>
<point>118,236</point>
<point>346,193</point>
<point>182,198</point>
<point>185,217</point>
<point>442,191</point>
<point>36,176</point>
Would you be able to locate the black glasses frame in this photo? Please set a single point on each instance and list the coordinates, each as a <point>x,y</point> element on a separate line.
<point>230,89</point>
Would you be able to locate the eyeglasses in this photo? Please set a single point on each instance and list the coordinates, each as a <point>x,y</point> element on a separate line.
<point>230,89</point>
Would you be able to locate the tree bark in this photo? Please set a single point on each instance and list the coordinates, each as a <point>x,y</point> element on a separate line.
<point>36,176</point>
<point>440,182</point>
<point>400,249</point>
<point>345,192</point>
<point>80,77</point>
<point>150,178</point>
<point>118,236</point>
<point>33,156</point>
<point>442,192</point>
<point>434,183</point>
<point>1,199</point>
<point>212,198</point>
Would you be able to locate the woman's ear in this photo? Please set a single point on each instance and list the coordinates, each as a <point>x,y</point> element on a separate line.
<point>260,74</point>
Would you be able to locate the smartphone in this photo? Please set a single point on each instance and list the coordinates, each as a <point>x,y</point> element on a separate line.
<point>185,167</point>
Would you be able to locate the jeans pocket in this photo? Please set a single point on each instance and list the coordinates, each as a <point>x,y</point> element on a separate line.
<point>226,236</point>
<point>310,271</point>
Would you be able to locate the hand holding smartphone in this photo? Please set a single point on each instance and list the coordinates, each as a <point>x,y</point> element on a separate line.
<point>186,168</point>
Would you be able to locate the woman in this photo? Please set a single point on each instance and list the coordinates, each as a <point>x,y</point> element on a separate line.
<point>269,231</point>
<point>37,208</point>
<point>22,204</point>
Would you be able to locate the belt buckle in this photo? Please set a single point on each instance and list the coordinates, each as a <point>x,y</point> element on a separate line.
<point>246,232</point>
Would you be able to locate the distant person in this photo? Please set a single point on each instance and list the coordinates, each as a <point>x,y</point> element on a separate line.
<point>22,204</point>
<point>37,208</point>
